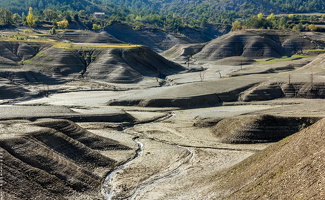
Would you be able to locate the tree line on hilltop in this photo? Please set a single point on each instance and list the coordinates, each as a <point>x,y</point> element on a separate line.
<point>295,22</point>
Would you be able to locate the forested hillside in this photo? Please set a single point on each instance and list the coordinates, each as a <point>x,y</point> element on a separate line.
<point>205,16</point>
<point>221,10</point>
<point>214,10</point>
<point>21,6</point>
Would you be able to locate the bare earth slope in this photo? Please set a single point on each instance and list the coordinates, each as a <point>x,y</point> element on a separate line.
<point>259,128</point>
<point>291,168</point>
<point>130,65</point>
<point>55,163</point>
<point>10,91</point>
<point>175,141</point>
<point>201,94</point>
<point>248,43</point>
<point>13,52</point>
<point>157,40</point>
<point>80,36</point>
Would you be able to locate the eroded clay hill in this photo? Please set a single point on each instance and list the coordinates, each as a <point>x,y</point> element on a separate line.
<point>81,36</point>
<point>27,63</point>
<point>291,168</point>
<point>131,65</point>
<point>115,65</point>
<point>157,40</point>
<point>53,159</point>
<point>248,43</point>
<point>259,128</point>
<point>13,52</point>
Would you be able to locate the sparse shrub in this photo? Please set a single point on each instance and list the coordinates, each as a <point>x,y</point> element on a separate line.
<point>53,31</point>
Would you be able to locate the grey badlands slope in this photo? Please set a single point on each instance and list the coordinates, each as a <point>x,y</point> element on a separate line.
<point>174,140</point>
<point>51,159</point>
<point>291,168</point>
<point>247,43</point>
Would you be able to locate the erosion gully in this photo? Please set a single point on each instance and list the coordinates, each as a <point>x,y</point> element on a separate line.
<point>107,188</point>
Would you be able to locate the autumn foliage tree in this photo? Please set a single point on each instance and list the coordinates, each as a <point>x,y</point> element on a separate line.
<point>63,24</point>
<point>30,18</point>
<point>236,26</point>
<point>96,27</point>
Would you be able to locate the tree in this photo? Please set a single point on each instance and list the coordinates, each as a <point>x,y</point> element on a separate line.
<point>203,22</point>
<point>96,27</point>
<point>236,26</point>
<point>311,27</point>
<point>298,27</point>
<point>16,17</point>
<point>68,18</point>
<point>82,13</point>
<point>283,22</point>
<point>323,17</point>
<point>5,16</point>
<point>50,14</point>
<point>271,17</point>
<point>260,16</point>
<point>30,18</point>
<point>76,17</point>
<point>63,24</point>
<point>53,31</point>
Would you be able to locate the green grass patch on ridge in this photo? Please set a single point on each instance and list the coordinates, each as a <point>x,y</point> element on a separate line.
<point>275,60</point>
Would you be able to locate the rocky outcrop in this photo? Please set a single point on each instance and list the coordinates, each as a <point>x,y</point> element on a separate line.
<point>77,133</point>
<point>26,77</point>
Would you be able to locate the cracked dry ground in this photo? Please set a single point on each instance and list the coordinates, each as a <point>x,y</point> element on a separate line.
<point>175,160</point>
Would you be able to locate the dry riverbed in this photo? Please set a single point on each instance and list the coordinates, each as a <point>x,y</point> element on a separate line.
<point>169,157</point>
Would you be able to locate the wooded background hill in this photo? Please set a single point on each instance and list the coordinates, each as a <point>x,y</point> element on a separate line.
<point>216,10</point>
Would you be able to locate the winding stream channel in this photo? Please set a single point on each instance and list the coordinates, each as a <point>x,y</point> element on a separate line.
<point>186,161</point>
<point>163,176</point>
<point>107,189</point>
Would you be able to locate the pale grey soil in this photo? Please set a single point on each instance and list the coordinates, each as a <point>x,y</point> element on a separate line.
<point>171,149</point>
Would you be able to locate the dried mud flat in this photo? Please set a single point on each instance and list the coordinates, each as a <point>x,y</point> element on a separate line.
<point>168,153</point>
